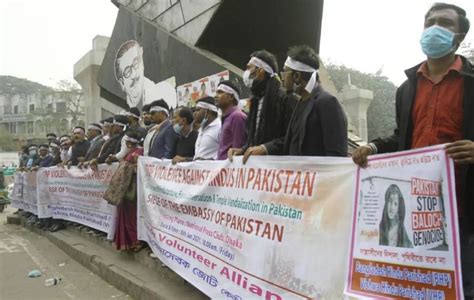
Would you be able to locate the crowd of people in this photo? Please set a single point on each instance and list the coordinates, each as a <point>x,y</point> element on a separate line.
<point>291,114</point>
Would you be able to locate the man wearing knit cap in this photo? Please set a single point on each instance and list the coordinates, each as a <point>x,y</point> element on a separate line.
<point>233,132</point>
<point>161,139</point>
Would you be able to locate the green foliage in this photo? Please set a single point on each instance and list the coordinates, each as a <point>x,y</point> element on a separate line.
<point>10,85</point>
<point>381,112</point>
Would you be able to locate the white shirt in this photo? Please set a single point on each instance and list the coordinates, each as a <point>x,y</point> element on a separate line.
<point>207,141</point>
<point>123,149</point>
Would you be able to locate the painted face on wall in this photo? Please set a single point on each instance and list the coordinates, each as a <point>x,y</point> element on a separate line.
<point>392,207</point>
<point>132,75</point>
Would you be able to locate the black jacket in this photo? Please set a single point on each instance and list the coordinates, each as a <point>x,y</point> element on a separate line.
<point>79,150</point>
<point>111,146</point>
<point>402,137</point>
<point>324,130</point>
<point>274,118</point>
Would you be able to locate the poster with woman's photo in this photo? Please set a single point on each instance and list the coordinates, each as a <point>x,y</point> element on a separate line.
<point>404,240</point>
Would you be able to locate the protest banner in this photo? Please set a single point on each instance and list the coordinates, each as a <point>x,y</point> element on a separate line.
<point>30,197</point>
<point>190,92</point>
<point>16,198</point>
<point>404,241</point>
<point>76,195</point>
<point>275,228</point>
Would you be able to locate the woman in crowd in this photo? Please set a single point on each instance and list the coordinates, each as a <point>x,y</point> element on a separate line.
<point>126,228</point>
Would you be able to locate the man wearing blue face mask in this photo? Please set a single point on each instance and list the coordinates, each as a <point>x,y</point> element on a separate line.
<point>435,106</point>
<point>183,126</point>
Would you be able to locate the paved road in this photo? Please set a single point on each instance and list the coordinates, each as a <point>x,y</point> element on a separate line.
<point>22,251</point>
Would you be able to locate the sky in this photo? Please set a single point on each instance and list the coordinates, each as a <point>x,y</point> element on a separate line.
<point>41,40</point>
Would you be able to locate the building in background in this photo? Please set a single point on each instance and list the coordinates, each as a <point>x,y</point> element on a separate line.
<point>29,110</point>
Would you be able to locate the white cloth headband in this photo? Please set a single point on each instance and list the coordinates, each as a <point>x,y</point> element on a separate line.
<point>227,89</point>
<point>159,108</point>
<point>299,66</point>
<point>261,64</point>
<point>53,145</point>
<point>119,123</point>
<point>131,115</point>
<point>93,127</point>
<point>43,147</point>
<point>206,105</point>
<point>131,140</point>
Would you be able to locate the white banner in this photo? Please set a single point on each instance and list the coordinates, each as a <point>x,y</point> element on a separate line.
<point>30,197</point>
<point>76,195</point>
<point>405,233</point>
<point>275,228</point>
<point>16,198</point>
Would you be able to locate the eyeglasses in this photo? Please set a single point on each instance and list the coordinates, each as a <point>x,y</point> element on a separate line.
<point>128,70</point>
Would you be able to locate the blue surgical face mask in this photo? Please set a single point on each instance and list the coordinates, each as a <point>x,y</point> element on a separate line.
<point>437,41</point>
<point>177,128</point>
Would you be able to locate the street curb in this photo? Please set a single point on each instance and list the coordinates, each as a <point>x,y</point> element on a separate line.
<point>153,281</point>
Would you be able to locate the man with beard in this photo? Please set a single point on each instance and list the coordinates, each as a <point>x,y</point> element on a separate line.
<point>80,146</point>
<point>270,107</point>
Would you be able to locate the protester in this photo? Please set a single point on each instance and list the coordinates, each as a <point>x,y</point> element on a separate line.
<point>32,155</point>
<point>55,153</point>
<point>233,133</point>
<point>126,228</point>
<point>44,159</point>
<point>80,146</point>
<point>318,126</point>
<point>434,106</point>
<point>66,142</point>
<point>51,137</point>
<point>183,126</point>
<point>133,115</point>
<point>94,135</point>
<point>112,145</point>
<point>207,142</point>
<point>147,122</point>
<point>161,138</point>
<point>270,107</point>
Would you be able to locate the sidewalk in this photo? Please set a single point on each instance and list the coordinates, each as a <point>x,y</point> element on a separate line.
<point>136,274</point>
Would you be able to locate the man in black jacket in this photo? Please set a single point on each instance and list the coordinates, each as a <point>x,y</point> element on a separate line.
<point>270,107</point>
<point>435,105</point>
<point>318,126</point>
<point>80,146</point>
<point>113,144</point>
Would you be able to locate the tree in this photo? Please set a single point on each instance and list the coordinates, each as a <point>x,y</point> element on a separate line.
<point>72,93</point>
<point>381,112</point>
